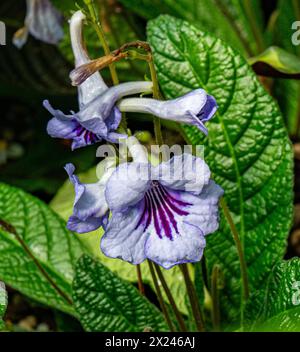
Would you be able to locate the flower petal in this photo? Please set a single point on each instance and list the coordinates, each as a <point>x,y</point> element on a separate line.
<point>204,211</point>
<point>44,21</point>
<point>94,85</point>
<point>127,185</point>
<point>178,223</point>
<point>68,127</point>
<point>80,226</point>
<point>123,238</point>
<point>184,248</point>
<point>89,198</point>
<point>183,172</point>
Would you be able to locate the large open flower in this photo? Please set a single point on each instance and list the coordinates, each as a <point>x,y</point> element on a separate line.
<point>42,21</point>
<point>162,213</point>
<point>98,117</point>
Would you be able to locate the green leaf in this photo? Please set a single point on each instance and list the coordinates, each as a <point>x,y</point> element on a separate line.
<point>276,62</point>
<point>106,303</point>
<point>247,150</point>
<point>230,19</point>
<point>62,204</point>
<point>38,254</point>
<point>3,304</point>
<point>281,305</point>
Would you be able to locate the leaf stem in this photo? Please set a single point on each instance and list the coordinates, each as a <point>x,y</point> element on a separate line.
<point>243,265</point>
<point>170,298</point>
<point>238,244</point>
<point>193,298</point>
<point>160,298</point>
<point>140,279</point>
<point>215,297</point>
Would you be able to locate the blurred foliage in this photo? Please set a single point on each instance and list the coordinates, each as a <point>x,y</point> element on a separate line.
<point>276,62</point>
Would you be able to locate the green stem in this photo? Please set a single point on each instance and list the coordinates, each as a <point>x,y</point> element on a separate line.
<point>160,298</point>
<point>193,298</point>
<point>248,5</point>
<point>170,298</point>
<point>243,265</point>
<point>296,6</point>
<point>140,279</point>
<point>215,298</point>
<point>156,95</point>
<point>101,36</point>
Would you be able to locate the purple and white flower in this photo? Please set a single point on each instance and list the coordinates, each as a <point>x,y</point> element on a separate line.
<point>194,108</point>
<point>98,117</point>
<point>43,21</point>
<point>162,212</point>
<point>155,217</point>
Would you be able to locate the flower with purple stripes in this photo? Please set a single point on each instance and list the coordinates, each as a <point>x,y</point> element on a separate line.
<point>194,108</point>
<point>42,21</point>
<point>98,117</point>
<point>162,212</point>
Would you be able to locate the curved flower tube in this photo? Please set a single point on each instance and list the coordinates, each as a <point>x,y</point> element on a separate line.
<point>98,117</point>
<point>42,21</point>
<point>194,108</point>
<point>90,210</point>
<point>162,213</point>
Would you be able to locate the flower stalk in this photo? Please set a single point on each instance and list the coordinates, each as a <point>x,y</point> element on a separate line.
<point>170,298</point>
<point>160,298</point>
<point>156,95</point>
<point>193,298</point>
<point>215,297</point>
<point>140,280</point>
<point>243,265</point>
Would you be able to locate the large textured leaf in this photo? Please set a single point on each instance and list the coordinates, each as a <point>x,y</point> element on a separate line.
<point>38,255</point>
<point>281,308</point>
<point>227,19</point>
<point>247,150</point>
<point>3,303</point>
<point>106,303</point>
<point>62,204</point>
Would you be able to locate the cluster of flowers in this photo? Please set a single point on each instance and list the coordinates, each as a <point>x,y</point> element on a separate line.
<point>161,212</point>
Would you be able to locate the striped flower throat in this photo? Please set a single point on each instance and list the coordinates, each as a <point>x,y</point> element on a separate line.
<point>161,208</point>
